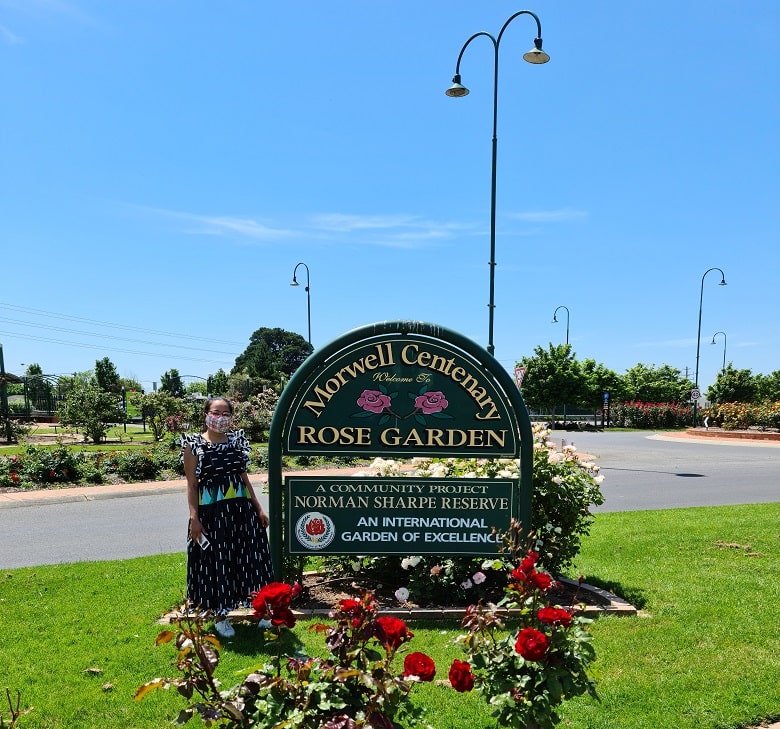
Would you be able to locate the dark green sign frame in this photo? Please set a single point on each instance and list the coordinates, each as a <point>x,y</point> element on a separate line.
<point>399,390</point>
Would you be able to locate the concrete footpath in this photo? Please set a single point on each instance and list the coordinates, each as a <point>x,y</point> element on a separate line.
<point>38,497</point>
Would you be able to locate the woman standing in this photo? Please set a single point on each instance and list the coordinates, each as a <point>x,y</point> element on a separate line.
<point>227,551</point>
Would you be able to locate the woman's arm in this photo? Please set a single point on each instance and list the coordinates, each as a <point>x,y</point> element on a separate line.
<point>264,520</point>
<point>190,464</point>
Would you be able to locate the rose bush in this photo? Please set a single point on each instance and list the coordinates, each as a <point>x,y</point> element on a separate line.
<point>565,486</point>
<point>525,673</point>
<point>355,686</point>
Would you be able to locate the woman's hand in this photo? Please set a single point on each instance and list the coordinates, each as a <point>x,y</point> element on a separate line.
<point>196,529</point>
<point>264,520</point>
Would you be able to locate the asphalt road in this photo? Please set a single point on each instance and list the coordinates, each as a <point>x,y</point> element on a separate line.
<point>641,472</point>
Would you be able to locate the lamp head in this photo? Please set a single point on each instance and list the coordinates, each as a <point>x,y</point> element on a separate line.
<point>294,282</point>
<point>555,319</point>
<point>456,89</point>
<point>536,54</point>
<point>722,281</point>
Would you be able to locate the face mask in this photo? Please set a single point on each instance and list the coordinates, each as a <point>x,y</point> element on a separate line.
<point>218,423</point>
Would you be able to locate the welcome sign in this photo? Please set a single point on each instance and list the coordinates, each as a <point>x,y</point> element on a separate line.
<point>405,395</point>
<point>398,390</point>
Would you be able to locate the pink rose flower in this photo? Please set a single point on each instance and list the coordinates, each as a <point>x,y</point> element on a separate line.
<point>373,401</point>
<point>431,402</point>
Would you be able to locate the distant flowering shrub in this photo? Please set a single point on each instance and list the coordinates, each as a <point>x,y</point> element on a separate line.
<point>253,415</point>
<point>651,415</point>
<point>741,416</point>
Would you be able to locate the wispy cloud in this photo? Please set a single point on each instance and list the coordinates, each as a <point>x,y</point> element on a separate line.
<point>48,8</point>
<point>6,36</point>
<point>548,216</point>
<point>344,223</point>
<point>237,228</point>
<point>392,231</point>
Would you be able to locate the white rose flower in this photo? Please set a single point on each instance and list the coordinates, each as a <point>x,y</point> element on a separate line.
<point>401,594</point>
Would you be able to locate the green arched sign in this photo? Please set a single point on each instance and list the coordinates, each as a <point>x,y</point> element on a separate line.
<point>397,390</point>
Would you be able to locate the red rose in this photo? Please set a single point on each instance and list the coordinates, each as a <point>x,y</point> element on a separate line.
<point>541,580</point>
<point>273,596</point>
<point>283,616</point>
<point>420,665</point>
<point>554,616</point>
<point>391,632</point>
<point>461,677</point>
<point>349,605</point>
<point>531,644</point>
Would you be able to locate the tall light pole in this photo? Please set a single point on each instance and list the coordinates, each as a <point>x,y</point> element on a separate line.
<point>537,56</point>
<point>294,282</point>
<point>555,320</point>
<point>724,347</point>
<point>698,333</point>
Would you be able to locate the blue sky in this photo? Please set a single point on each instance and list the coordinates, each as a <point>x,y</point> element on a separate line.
<point>165,166</point>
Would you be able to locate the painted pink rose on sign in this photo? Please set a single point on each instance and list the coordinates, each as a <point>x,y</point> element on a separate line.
<point>431,402</point>
<point>373,401</point>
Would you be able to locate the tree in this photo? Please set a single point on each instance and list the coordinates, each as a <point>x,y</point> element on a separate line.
<point>552,377</point>
<point>171,383</point>
<point>598,379</point>
<point>662,384</point>
<point>768,387</point>
<point>160,408</point>
<point>272,353</point>
<point>40,392</point>
<point>733,385</point>
<point>106,376</point>
<point>130,384</point>
<point>219,383</point>
<point>90,410</point>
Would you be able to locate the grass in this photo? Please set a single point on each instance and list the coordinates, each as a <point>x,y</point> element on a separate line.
<point>704,653</point>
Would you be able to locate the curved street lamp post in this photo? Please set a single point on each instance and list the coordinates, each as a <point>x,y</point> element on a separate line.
<point>724,347</point>
<point>536,56</point>
<point>294,282</point>
<point>555,320</point>
<point>698,333</point>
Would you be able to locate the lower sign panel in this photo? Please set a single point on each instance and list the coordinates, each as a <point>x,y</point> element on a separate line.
<point>372,516</point>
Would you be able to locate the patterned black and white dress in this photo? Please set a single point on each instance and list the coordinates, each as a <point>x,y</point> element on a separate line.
<point>238,562</point>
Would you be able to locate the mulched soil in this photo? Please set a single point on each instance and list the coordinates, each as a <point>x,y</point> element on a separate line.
<point>322,593</point>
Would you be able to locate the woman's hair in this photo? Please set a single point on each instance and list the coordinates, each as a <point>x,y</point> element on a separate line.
<point>211,400</point>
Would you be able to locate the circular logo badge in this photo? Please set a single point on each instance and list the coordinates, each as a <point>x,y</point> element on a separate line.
<point>315,530</point>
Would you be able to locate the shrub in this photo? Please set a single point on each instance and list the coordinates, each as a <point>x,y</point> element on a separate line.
<point>50,465</point>
<point>651,415</point>
<point>10,472</point>
<point>254,415</point>
<point>14,428</point>
<point>525,673</point>
<point>741,416</point>
<point>355,686</point>
<point>564,488</point>
<point>90,411</point>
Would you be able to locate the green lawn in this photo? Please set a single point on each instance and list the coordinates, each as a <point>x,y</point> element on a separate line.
<point>704,652</point>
